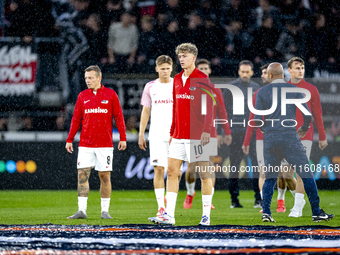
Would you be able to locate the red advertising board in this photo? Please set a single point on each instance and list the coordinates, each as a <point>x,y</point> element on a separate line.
<point>18,68</point>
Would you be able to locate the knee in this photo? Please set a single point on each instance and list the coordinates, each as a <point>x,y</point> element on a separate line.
<point>82,177</point>
<point>171,172</point>
<point>159,170</point>
<point>104,177</point>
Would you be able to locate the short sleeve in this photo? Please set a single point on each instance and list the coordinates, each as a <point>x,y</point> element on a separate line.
<point>146,97</point>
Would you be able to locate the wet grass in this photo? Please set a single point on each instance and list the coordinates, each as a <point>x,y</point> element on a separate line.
<point>134,207</point>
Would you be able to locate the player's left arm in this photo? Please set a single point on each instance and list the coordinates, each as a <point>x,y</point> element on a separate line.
<point>208,120</point>
<point>317,115</point>
<point>144,119</point>
<point>119,119</point>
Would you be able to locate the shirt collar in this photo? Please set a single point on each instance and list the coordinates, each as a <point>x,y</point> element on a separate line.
<point>278,81</point>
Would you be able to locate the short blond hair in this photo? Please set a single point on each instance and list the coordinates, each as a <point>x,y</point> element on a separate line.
<point>187,48</point>
<point>94,68</point>
<point>163,59</point>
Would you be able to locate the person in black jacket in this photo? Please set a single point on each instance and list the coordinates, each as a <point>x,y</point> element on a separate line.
<point>238,126</point>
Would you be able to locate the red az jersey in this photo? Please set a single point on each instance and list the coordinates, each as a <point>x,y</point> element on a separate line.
<point>314,106</point>
<point>187,119</point>
<point>95,113</point>
<point>221,112</point>
<point>250,130</point>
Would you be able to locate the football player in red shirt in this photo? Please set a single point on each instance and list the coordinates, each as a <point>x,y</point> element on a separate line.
<point>190,132</point>
<point>95,109</point>
<point>296,68</point>
<point>219,110</point>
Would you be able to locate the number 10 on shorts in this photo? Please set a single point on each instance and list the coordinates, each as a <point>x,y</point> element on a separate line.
<point>198,150</point>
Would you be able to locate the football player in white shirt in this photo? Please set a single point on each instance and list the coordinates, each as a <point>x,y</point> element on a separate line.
<point>157,99</point>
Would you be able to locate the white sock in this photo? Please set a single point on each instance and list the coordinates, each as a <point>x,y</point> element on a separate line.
<point>293,192</point>
<point>190,188</point>
<point>213,191</point>
<point>261,194</point>
<point>82,204</point>
<point>160,197</point>
<point>105,203</point>
<point>299,197</point>
<point>206,201</point>
<point>171,198</point>
<point>281,193</point>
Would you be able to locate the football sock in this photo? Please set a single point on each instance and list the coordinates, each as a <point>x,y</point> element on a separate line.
<point>206,201</point>
<point>82,204</point>
<point>105,203</point>
<point>293,192</point>
<point>299,197</point>
<point>261,194</point>
<point>171,198</point>
<point>160,197</point>
<point>281,193</point>
<point>212,193</point>
<point>190,188</point>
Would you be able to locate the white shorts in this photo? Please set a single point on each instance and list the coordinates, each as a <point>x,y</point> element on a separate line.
<point>159,151</point>
<point>212,146</point>
<point>99,158</point>
<point>188,150</point>
<point>259,153</point>
<point>307,145</point>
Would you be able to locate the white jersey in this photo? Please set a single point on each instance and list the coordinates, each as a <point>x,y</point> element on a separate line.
<point>158,96</point>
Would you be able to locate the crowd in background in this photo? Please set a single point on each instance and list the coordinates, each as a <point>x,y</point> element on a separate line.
<point>126,36</point>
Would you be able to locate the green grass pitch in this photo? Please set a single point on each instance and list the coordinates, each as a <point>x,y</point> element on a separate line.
<point>134,207</point>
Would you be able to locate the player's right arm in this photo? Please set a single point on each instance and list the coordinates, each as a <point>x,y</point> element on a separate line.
<point>144,119</point>
<point>75,123</point>
<point>146,102</point>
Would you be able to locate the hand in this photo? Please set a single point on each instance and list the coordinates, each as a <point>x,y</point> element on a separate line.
<point>142,143</point>
<point>219,141</point>
<point>205,138</point>
<point>228,139</point>
<point>245,149</point>
<point>323,144</point>
<point>122,145</point>
<point>301,133</point>
<point>69,147</point>
<point>170,140</point>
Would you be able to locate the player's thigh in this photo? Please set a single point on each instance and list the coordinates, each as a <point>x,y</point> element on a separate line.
<point>86,158</point>
<point>159,151</point>
<point>104,158</point>
<point>196,152</point>
<point>177,149</point>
